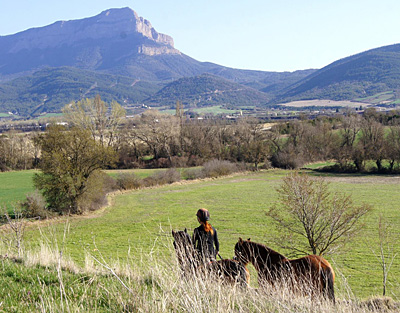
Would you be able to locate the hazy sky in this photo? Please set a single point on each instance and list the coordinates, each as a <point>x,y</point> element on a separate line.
<point>278,35</point>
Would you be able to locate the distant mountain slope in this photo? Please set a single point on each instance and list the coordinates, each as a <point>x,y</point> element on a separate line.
<point>361,75</point>
<point>103,42</point>
<point>206,90</point>
<point>50,89</point>
<point>118,42</point>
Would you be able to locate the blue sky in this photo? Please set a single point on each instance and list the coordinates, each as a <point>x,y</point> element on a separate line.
<point>278,35</point>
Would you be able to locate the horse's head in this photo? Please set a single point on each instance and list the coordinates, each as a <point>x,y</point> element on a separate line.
<point>242,251</point>
<point>181,238</point>
<point>183,247</point>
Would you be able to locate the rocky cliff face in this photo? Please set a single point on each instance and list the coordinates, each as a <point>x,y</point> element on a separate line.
<point>111,24</point>
<point>102,42</point>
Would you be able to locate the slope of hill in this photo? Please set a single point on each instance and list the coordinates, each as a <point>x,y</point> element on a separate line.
<point>116,42</point>
<point>50,89</point>
<point>207,90</point>
<point>357,76</point>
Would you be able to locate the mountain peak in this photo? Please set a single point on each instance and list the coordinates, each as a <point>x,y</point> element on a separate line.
<point>110,24</point>
<point>108,40</point>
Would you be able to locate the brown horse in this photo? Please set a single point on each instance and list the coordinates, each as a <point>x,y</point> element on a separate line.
<point>230,271</point>
<point>310,274</point>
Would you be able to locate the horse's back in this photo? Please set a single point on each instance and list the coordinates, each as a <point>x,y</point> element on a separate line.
<point>233,269</point>
<point>311,263</point>
<point>319,270</point>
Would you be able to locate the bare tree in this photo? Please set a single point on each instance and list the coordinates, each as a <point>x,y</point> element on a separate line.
<point>12,234</point>
<point>160,132</point>
<point>315,219</point>
<point>386,253</point>
<point>95,115</point>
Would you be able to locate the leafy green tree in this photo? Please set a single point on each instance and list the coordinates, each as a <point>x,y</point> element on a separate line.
<point>70,162</point>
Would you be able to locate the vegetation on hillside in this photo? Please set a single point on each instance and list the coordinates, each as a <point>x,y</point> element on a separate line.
<point>51,89</point>
<point>207,90</point>
<point>359,76</point>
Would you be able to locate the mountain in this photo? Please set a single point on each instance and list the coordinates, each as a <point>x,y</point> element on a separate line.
<point>42,69</point>
<point>48,90</point>
<point>207,90</point>
<point>356,77</point>
<point>116,41</point>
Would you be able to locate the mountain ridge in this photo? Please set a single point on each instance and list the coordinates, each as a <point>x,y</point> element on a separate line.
<point>119,45</point>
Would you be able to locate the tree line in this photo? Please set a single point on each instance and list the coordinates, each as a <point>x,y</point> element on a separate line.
<point>353,142</point>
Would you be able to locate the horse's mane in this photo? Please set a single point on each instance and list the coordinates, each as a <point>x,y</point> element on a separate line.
<point>262,247</point>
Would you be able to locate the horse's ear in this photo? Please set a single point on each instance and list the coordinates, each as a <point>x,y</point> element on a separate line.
<point>185,230</point>
<point>248,239</point>
<point>240,240</point>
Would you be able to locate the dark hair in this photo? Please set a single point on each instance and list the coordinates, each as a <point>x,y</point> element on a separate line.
<point>204,217</point>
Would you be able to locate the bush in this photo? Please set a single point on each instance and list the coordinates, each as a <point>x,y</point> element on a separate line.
<point>167,177</point>
<point>177,161</point>
<point>35,206</point>
<point>96,195</point>
<point>126,181</point>
<point>288,160</point>
<point>193,173</point>
<point>216,168</point>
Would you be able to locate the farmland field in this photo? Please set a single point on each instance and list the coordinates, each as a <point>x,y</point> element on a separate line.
<point>139,223</point>
<point>14,186</point>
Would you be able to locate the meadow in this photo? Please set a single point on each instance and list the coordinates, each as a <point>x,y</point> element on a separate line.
<point>14,186</point>
<point>136,227</point>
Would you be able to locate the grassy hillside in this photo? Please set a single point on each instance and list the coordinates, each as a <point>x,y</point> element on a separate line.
<point>141,221</point>
<point>50,89</point>
<point>207,90</point>
<point>359,76</point>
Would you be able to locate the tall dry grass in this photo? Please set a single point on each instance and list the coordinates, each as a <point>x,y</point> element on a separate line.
<point>155,283</point>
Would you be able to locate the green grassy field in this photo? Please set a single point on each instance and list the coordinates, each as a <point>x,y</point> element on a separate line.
<point>14,186</point>
<point>139,223</point>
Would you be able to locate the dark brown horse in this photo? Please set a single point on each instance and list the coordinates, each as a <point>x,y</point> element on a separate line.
<point>311,274</point>
<point>230,271</point>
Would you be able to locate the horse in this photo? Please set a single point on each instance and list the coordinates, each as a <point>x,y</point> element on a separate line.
<point>310,274</point>
<point>228,270</point>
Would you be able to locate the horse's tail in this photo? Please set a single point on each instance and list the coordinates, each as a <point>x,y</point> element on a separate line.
<point>329,279</point>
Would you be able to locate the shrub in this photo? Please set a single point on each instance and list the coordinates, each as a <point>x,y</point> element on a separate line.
<point>34,205</point>
<point>167,177</point>
<point>193,173</point>
<point>216,168</point>
<point>179,161</point>
<point>96,195</point>
<point>288,160</point>
<point>126,181</point>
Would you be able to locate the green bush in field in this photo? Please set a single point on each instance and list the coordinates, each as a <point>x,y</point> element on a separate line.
<point>70,165</point>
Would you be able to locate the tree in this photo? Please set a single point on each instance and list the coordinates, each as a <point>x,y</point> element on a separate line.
<point>392,145</point>
<point>372,141</point>
<point>70,162</point>
<point>251,144</point>
<point>95,115</point>
<point>345,149</point>
<point>386,253</point>
<point>315,219</point>
<point>160,132</point>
